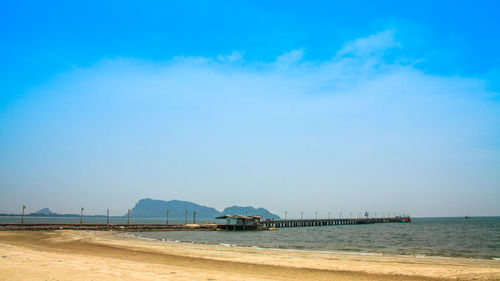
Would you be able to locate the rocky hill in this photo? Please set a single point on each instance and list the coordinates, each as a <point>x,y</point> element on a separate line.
<point>249,210</point>
<point>150,208</point>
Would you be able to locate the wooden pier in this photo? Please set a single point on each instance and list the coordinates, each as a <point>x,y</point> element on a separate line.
<point>107,227</point>
<point>262,225</point>
<point>327,222</point>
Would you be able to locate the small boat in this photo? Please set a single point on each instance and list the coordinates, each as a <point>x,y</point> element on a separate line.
<point>466,217</point>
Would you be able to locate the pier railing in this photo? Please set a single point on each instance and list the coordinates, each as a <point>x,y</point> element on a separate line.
<point>326,222</point>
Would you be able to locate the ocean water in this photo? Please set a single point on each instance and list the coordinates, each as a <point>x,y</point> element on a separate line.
<point>477,237</point>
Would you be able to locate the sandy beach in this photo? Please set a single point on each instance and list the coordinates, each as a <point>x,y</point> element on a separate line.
<point>92,255</point>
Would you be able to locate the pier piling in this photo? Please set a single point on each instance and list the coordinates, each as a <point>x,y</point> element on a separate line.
<point>22,218</point>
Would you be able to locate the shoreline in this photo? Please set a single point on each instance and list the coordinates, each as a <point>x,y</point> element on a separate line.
<point>132,236</point>
<point>85,255</point>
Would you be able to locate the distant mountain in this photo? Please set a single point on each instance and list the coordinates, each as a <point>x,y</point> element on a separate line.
<point>43,212</point>
<point>249,210</point>
<point>149,208</point>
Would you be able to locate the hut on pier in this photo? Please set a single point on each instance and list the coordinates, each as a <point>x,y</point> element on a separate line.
<point>237,222</point>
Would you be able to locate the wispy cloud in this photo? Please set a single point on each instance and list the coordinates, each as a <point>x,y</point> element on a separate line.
<point>233,57</point>
<point>376,44</point>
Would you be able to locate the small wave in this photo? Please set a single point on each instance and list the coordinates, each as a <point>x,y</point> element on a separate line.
<point>137,236</point>
<point>370,254</point>
<point>147,238</point>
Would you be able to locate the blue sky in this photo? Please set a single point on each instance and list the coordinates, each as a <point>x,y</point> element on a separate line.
<point>391,107</point>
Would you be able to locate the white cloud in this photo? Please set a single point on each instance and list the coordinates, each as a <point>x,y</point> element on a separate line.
<point>233,57</point>
<point>290,58</point>
<point>375,44</point>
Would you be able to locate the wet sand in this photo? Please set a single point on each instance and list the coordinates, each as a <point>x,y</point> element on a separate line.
<point>92,255</point>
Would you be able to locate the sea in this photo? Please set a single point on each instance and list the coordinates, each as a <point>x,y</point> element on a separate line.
<point>475,237</point>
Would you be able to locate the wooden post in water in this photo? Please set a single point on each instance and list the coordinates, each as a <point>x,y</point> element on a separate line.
<point>22,217</point>
<point>107,218</point>
<point>128,218</point>
<point>194,217</point>
<point>186,218</point>
<point>167,215</point>
<point>81,215</point>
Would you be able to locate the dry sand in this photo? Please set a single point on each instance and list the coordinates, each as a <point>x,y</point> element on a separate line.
<point>87,255</point>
